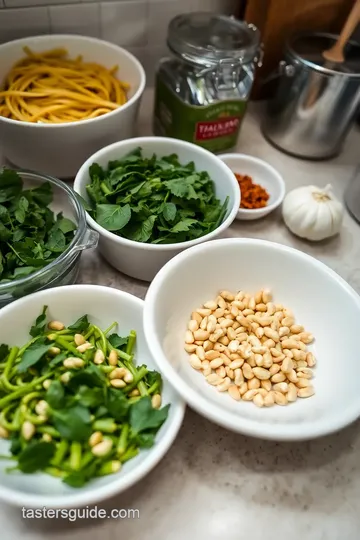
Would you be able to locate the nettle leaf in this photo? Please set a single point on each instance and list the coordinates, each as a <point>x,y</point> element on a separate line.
<point>183,225</point>
<point>143,416</point>
<point>112,216</point>
<point>169,211</point>
<point>117,404</point>
<point>73,423</point>
<point>117,342</point>
<point>32,356</point>
<point>144,231</point>
<point>39,327</point>
<point>43,194</point>
<point>21,209</point>
<point>10,184</point>
<point>65,225</point>
<point>80,325</point>
<point>56,241</point>
<point>36,456</point>
<point>55,395</point>
<point>5,234</point>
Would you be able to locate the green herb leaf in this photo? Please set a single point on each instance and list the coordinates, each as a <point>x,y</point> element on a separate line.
<point>55,395</point>
<point>36,456</point>
<point>143,416</point>
<point>42,195</point>
<point>117,404</point>
<point>32,355</point>
<point>91,376</point>
<point>169,211</point>
<point>4,351</point>
<point>80,325</point>
<point>39,327</point>
<point>56,241</point>
<point>10,184</point>
<point>144,231</point>
<point>118,342</point>
<point>21,209</point>
<point>90,397</point>
<point>73,423</point>
<point>113,217</point>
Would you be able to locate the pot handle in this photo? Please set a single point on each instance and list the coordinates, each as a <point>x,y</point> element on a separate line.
<point>90,240</point>
<point>283,69</point>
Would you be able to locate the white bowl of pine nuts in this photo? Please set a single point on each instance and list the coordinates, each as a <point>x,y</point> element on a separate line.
<point>104,306</point>
<point>249,333</point>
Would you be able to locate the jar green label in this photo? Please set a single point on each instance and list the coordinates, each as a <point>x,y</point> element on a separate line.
<point>214,127</point>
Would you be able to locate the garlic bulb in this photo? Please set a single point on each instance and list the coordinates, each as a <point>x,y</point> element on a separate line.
<point>312,213</point>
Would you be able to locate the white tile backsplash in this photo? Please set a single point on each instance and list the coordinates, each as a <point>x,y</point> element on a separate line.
<point>139,25</point>
<point>75,19</point>
<point>18,23</point>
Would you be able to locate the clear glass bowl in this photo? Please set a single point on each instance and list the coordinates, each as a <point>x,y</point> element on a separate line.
<point>64,269</point>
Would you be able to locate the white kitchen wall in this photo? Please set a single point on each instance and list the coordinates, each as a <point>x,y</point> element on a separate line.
<point>138,25</point>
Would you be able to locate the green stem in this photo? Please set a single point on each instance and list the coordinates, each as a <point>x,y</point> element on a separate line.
<point>10,361</point>
<point>53,471</point>
<point>61,451</point>
<point>75,455</point>
<point>26,346</point>
<point>139,375</point>
<point>131,452</point>
<point>105,332</point>
<point>102,338</point>
<point>109,467</point>
<point>122,443</point>
<point>105,189</point>
<point>36,420</point>
<point>89,333</point>
<point>106,425</point>
<point>106,369</point>
<point>87,458</point>
<point>65,345</point>
<point>23,391</point>
<point>131,342</point>
<point>50,430</point>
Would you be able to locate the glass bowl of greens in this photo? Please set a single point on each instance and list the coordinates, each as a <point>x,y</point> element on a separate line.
<point>43,231</point>
<point>151,197</point>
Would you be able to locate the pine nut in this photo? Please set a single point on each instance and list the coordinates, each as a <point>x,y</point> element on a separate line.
<point>41,408</point>
<point>272,334</point>
<point>249,395</point>
<point>306,337</point>
<point>224,340</point>
<point>247,371</point>
<point>193,325</point>
<point>134,393</point>
<point>219,347</point>
<point>275,368</point>
<point>73,362</point>
<point>102,448</point>
<point>310,359</point>
<point>270,308</point>
<point>266,385</point>
<point>261,307</point>
<point>288,321</point>
<point>278,378</point>
<point>227,295</point>
<point>305,373</point>
<point>56,325</point>
<point>303,383</point>
<point>287,365</point>
<point>296,328</point>
<point>261,373</point>
<point>204,312</point>
<point>225,359</point>
<point>259,350</point>
<point>235,364</point>
<point>117,373</point>
<point>95,438</point>
<point>220,372</point>
<point>211,304</point>
<point>267,360</point>
<point>208,345</point>
<point>4,434</point>
<point>113,358</point>
<point>245,351</point>
<point>207,371</point>
<point>129,377</point>
<point>258,297</point>
<point>239,296</point>
<point>259,332</point>
<point>280,399</point>
<point>249,314</point>
<point>211,355</point>
<point>292,393</point>
<point>278,315</point>
<point>266,296</point>
<point>28,429</point>
<point>269,400</point>
<point>99,357</point>
<point>281,387</point>
<point>118,383</point>
<point>284,331</point>
<point>201,335</point>
<point>290,344</point>
<point>239,377</point>
<point>234,345</point>
<point>196,316</point>
<point>79,339</point>
<point>214,379</point>
<point>231,334</point>
<point>84,347</point>
<point>258,360</point>
<point>241,336</point>
<point>225,385</point>
<point>189,337</point>
<point>292,376</point>
<point>54,351</point>
<point>269,343</point>
<point>234,392</point>
<point>258,400</point>
<point>190,347</point>
<point>254,341</point>
<point>236,325</point>
<point>243,388</point>
<point>65,377</point>
<point>288,353</point>
<point>254,384</point>
<point>218,313</point>
<point>195,361</point>
<point>214,364</point>
<point>306,392</point>
<point>200,353</point>
<point>275,326</point>
<point>221,302</point>
<point>301,364</point>
<point>156,401</point>
<point>264,321</point>
<point>202,326</point>
<point>230,372</point>
<point>46,384</point>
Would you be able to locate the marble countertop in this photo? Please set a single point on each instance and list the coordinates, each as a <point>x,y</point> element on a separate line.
<point>218,485</point>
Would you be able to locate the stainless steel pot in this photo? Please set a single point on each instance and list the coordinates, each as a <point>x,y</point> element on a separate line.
<point>315,103</point>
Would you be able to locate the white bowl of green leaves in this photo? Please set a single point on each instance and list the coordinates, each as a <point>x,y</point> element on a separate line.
<point>83,413</point>
<point>152,197</point>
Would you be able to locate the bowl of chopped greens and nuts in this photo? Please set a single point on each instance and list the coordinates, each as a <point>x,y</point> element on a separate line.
<point>150,198</point>
<point>254,339</point>
<point>84,414</point>
<point>42,233</point>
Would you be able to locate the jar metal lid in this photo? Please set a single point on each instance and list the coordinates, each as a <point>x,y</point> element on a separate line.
<point>307,48</point>
<point>206,39</point>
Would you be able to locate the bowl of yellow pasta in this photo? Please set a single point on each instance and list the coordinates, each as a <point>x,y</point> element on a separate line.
<point>63,97</point>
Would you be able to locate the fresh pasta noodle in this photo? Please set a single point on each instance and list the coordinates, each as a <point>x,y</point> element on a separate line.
<point>49,87</point>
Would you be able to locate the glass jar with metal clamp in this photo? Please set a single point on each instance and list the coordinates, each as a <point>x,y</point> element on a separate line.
<point>202,90</point>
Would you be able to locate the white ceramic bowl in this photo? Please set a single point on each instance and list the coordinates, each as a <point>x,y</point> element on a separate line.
<point>261,173</point>
<point>321,300</point>
<point>104,306</point>
<point>60,149</point>
<point>138,259</point>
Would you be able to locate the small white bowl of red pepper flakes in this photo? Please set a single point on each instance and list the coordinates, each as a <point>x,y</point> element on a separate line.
<point>262,187</point>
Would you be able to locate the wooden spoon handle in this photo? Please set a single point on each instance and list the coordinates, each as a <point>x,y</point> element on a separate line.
<point>335,54</point>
